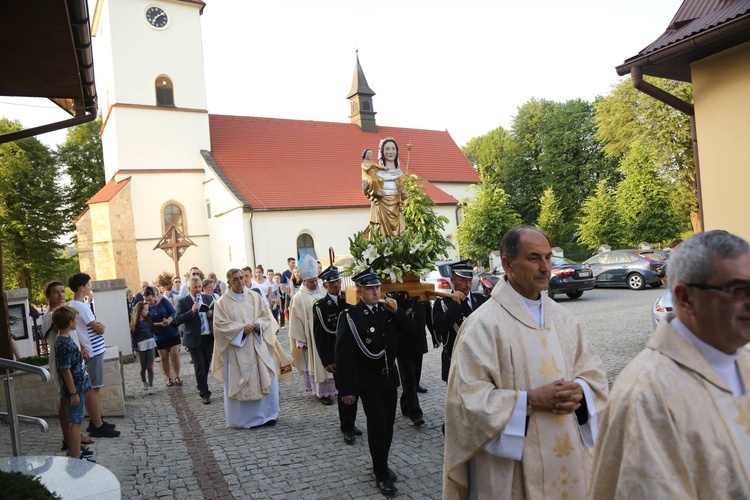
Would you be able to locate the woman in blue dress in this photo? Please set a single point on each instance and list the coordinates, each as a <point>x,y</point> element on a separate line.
<point>162,314</point>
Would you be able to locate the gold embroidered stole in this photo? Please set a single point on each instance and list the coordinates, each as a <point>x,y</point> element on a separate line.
<point>554,437</point>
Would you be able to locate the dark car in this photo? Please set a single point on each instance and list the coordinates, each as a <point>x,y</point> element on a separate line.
<point>570,278</point>
<point>632,268</point>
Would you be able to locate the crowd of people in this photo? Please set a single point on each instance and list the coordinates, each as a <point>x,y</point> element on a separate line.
<point>528,410</point>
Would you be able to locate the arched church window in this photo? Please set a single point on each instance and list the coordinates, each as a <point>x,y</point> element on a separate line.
<point>173,215</point>
<point>305,246</point>
<point>164,92</point>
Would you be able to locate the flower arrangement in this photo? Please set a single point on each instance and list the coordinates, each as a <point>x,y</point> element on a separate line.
<point>392,258</point>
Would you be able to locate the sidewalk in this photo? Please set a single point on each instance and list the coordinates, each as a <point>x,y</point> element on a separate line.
<point>174,446</point>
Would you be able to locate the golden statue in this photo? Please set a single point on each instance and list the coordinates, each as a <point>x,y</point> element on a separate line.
<point>382,183</point>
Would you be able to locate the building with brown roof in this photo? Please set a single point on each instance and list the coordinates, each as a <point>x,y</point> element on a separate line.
<point>244,190</point>
<point>707,43</point>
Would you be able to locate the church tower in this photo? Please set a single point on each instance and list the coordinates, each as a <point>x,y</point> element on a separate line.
<point>151,83</point>
<point>360,98</point>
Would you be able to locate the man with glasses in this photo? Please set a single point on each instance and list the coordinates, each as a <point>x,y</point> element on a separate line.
<point>195,272</point>
<point>678,420</point>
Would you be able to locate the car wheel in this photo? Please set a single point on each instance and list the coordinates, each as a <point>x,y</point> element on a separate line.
<point>550,293</point>
<point>656,285</point>
<point>575,294</point>
<point>636,282</point>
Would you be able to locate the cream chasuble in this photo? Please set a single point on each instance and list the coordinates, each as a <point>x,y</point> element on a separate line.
<point>250,366</point>
<point>672,428</point>
<point>500,351</point>
<point>301,330</point>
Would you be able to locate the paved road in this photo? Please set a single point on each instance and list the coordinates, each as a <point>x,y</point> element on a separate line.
<point>173,446</point>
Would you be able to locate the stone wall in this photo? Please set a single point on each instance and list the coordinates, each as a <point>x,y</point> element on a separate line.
<point>36,398</point>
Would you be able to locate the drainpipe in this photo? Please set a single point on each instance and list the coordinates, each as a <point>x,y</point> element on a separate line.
<point>636,77</point>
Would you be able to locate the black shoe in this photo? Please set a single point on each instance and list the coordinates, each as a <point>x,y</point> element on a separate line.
<point>88,459</point>
<point>328,401</point>
<point>86,453</point>
<point>349,437</point>
<point>357,431</point>
<point>418,422</point>
<point>104,432</point>
<point>270,423</point>
<point>392,475</point>
<point>421,389</point>
<point>386,487</point>
<point>106,424</point>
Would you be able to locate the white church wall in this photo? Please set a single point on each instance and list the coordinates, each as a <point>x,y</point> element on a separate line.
<point>155,141</point>
<point>275,233</point>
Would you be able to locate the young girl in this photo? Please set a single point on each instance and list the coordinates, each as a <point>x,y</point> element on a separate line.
<point>143,343</point>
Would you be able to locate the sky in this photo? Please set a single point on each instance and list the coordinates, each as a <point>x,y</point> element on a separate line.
<point>462,66</point>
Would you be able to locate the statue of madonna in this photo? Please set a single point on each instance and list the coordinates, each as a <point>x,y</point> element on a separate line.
<point>383,185</point>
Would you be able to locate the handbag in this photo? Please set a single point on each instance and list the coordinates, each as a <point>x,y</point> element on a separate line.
<point>145,345</point>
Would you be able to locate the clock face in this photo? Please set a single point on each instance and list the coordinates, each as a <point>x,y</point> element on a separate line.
<point>157,17</point>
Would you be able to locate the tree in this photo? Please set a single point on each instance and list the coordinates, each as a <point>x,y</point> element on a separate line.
<point>489,152</point>
<point>626,116</point>
<point>551,219</point>
<point>643,200</point>
<point>420,216</point>
<point>487,217</point>
<point>600,222</point>
<point>81,156</point>
<point>31,212</point>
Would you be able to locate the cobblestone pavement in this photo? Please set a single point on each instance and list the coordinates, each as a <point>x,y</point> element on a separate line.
<point>174,446</point>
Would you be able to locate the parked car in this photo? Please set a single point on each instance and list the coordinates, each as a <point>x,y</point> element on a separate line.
<point>662,307</point>
<point>631,268</point>
<point>570,278</point>
<point>441,276</point>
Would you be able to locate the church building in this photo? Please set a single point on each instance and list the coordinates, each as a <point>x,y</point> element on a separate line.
<point>227,191</point>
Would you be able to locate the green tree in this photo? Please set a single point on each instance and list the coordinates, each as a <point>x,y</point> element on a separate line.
<point>600,222</point>
<point>643,200</point>
<point>489,152</point>
<point>486,218</point>
<point>626,116</point>
<point>420,216</point>
<point>83,162</point>
<point>31,212</point>
<point>551,219</point>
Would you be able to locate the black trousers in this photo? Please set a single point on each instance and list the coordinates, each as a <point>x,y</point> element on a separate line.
<point>347,413</point>
<point>201,357</point>
<point>407,366</point>
<point>380,409</point>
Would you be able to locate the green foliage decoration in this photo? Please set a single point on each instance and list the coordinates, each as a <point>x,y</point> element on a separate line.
<point>20,486</point>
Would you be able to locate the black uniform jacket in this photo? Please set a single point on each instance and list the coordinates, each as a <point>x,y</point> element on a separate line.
<point>361,338</point>
<point>325,320</point>
<point>447,318</point>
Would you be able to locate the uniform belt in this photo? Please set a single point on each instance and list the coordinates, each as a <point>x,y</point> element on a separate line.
<point>381,371</point>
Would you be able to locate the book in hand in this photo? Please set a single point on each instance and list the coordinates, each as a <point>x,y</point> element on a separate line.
<point>203,308</point>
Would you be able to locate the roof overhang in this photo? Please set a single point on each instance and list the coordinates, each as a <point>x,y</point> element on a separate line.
<point>46,52</point>
<point>673,61</point>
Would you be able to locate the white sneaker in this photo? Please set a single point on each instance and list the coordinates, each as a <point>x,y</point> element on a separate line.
<point>151,391</point>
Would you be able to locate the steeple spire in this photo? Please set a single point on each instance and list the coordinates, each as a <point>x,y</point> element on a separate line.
<point>360,98</point>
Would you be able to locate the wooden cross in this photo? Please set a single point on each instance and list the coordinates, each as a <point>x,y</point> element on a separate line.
<point>174,243</point>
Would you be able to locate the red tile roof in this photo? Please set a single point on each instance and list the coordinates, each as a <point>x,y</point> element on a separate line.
<point>108,191</point>
<point>277,164</point>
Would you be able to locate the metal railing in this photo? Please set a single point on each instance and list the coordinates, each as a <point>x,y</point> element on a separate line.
<point>23,368</point>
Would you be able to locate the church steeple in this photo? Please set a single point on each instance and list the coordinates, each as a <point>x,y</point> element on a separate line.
<point>360,97</point>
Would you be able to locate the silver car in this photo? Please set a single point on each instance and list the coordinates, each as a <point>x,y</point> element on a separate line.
<point>662,308</point>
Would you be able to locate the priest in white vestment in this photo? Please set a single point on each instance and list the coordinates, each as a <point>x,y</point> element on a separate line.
<point>247,357</point>
<point>305,355</point>
<point>524,390</point>
<point>678,422</point>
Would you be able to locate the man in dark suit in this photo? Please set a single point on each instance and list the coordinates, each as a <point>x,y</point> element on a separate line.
<point>326,313</point>
<point>195,311</point>
<point>367,342</point>
<point>448,314</point>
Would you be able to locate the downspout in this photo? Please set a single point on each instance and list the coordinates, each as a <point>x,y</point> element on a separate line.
<point>252,239</point>
<point>636,77</point>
